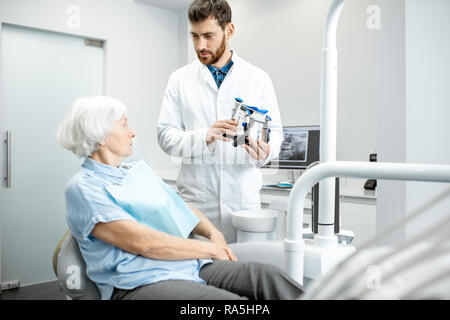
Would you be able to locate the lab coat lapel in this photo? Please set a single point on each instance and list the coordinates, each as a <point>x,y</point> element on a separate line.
<point>207,76</point>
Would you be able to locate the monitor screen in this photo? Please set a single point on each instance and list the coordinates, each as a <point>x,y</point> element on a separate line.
<point>300,148</point>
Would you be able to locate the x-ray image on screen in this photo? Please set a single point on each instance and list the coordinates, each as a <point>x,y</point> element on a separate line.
<point>300,148</point>
<point>294,146</point>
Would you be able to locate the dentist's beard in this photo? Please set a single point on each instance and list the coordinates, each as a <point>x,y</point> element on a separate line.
<point>215,56</point>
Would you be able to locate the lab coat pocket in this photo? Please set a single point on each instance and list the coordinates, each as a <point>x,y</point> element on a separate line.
<point>251,186</point>
<point>191,182</point>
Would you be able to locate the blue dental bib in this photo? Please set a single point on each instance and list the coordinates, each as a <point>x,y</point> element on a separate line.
<point>152,202</point>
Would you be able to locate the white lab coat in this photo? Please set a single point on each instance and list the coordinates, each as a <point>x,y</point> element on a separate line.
<point>216,179</point>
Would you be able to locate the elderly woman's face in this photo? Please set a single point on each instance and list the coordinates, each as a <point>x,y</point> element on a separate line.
<point>120,140</point>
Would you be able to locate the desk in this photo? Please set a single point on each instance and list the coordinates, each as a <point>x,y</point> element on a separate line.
<point>352,195</point>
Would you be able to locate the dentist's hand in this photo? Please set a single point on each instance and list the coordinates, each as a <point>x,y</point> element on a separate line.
<point>257,150</point>
<point>229,127</point>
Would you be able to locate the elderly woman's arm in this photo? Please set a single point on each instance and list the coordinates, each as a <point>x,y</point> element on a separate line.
<point>139,239</point>
<point>204,228</point>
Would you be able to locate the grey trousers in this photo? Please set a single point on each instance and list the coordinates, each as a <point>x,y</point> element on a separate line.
<point>225,280</point>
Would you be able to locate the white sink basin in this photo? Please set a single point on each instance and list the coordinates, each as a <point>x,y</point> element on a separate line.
<point>250,221</point>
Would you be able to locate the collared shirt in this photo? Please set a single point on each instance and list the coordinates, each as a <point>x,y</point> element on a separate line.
<point>108,266</point>
<point>219,74</point>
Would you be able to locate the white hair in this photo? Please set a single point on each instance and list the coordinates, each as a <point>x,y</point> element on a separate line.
<point>89,123</point>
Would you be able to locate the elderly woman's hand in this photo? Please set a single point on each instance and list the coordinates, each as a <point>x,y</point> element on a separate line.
<point>206,229</point>
<point>218,239</point>
<point>220,253</point>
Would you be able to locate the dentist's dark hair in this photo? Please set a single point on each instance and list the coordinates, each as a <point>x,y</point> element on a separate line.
<point>200,10</point>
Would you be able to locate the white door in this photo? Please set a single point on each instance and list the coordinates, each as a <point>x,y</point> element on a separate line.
<point>42,73</point>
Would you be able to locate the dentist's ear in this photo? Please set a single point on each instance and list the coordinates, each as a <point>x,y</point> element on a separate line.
<point>229,30</point>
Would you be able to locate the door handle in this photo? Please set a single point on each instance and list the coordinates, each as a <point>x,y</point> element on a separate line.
<point>8,159</point>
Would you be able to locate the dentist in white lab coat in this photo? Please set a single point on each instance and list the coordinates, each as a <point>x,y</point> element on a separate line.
<point>216,177</point>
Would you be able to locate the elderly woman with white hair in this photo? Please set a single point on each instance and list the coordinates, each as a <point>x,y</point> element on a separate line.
<point>133,230</point>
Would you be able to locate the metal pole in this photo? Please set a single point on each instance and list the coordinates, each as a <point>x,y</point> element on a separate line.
<point>328,125</point>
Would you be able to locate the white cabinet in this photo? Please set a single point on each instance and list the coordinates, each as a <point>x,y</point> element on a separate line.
<point>359,218</point>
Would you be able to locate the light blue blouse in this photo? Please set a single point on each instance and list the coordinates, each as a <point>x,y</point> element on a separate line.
<point>88,203</point>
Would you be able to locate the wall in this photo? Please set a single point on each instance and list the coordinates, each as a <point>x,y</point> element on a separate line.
<point>285,38</point>
<point>141,52</point>
<point>427,103</point>
<point>412,113</point>
<point>391,113</point>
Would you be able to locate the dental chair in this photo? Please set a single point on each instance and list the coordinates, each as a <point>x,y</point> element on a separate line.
<point>70,269</point>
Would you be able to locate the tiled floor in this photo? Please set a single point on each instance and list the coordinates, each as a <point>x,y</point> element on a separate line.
<point>42,291</point>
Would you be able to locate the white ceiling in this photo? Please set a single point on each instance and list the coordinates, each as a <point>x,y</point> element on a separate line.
<point>176,5</point>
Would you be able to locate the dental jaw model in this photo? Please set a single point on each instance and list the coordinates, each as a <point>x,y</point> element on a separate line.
<point>252,122</point>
